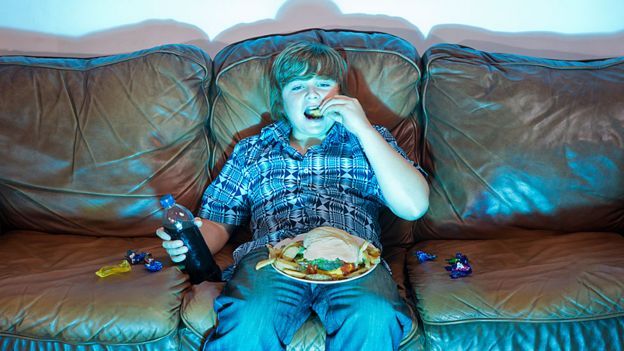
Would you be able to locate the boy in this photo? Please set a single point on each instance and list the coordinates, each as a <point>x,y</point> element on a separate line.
<point>300,173</point>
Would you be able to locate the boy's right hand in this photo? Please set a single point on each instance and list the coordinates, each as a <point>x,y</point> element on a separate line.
<point>175,248</point>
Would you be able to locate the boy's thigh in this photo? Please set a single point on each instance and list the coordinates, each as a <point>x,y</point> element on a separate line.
<point>375,294</point>
<point>265,290</point>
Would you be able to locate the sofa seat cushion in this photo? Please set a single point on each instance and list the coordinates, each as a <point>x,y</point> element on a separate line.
<point>572,277</point>
<point>50,291</point>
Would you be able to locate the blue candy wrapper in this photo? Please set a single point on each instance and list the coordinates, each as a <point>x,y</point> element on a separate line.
<point>154,266</point>
<point>423,256</point>
<point>151,264</point>
<point>459,266</point>
<point>135,257</point>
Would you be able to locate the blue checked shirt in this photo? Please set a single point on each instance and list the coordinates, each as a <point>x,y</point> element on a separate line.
<point>282,193</point>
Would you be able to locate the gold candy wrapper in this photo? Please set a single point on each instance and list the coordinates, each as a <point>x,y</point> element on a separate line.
<point>122,267</point>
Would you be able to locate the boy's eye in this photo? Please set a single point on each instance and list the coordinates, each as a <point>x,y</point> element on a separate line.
<point>296,87</point>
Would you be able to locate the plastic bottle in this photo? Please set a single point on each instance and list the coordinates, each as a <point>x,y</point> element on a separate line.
<point>178,223</point>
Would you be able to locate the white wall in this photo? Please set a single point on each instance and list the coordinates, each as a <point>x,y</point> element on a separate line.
<point>573,29</point>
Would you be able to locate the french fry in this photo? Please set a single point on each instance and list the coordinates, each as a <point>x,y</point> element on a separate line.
<point>273,253</point>
<point>318,276</point>
<point>295,274</point>
<point>264,263</point>
<point>357,272</point>
<point>282,264</point>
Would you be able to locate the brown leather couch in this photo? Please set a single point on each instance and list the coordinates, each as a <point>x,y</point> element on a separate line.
<point>527,158</point>
<point>524,154</point>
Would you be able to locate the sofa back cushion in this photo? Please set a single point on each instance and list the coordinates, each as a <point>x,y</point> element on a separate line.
<point>517,143</point>
<point>382,73</point>
<point>88,145</point>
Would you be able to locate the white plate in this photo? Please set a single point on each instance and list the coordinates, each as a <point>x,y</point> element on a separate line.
<point>300,237</point>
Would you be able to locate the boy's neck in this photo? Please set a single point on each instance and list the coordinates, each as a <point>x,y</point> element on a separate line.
<point>302,145</point>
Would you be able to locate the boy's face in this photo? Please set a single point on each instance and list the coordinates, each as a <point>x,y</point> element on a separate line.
<point>301,94</point>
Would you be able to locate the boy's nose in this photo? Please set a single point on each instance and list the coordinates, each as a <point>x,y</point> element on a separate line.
<point>313,93</point>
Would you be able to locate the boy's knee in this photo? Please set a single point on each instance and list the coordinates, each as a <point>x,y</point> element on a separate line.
<point>372,311</point>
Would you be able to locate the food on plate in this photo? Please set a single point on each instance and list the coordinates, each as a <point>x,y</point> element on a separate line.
<point>323,254</point>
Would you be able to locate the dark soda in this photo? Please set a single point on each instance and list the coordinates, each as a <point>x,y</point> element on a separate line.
<point>178,223</point>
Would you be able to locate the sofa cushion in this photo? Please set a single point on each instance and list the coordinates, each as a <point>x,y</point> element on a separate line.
<point>562,292</point>
<point>571,277</point>
<point>89,145</point>
<point>50,292</point>
<point>519,142</point>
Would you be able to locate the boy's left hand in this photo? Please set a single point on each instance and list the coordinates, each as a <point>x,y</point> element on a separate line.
<point>348,112</point>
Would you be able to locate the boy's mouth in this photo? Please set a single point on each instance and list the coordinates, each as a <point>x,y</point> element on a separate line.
<point>313,113</point>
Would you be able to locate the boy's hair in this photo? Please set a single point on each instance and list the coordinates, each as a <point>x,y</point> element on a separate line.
<point>302,60</point>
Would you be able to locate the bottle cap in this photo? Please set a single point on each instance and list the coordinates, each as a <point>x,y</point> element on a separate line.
<point>167,201</point>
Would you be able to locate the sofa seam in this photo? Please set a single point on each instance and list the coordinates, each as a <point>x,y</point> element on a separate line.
<point>448,57</point>
<point>528,321</point>
<point>129,57</point>
<point>188,325</point>
<point>255,57</point>
<point>172,333</point>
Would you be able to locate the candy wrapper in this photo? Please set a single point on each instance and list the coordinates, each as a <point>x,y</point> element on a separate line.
<point>122,267</point>
<point>459,266</point>
<point>146,258</point>
<point>151,264</point>
<point>423,256</point>
<point>135,257</point>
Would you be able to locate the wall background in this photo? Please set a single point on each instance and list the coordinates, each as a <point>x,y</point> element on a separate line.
<point>572,29</point>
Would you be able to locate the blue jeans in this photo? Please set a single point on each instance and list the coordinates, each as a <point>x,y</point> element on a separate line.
<point>262,310</point>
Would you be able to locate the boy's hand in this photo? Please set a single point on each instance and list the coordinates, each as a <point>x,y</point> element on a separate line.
<point>348,112</point>
<point>175,248</point>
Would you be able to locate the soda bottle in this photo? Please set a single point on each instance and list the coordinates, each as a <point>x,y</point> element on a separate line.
<point>178,223</point>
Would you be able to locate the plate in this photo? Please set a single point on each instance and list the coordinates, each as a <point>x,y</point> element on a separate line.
<point>300,237</point>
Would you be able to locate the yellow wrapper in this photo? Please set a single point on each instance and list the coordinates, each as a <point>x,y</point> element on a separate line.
<point>105,271</point>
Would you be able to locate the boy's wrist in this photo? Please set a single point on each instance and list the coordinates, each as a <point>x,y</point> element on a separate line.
<point>366,133</point>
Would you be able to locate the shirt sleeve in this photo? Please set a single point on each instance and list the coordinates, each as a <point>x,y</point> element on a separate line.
<point>226,198</point>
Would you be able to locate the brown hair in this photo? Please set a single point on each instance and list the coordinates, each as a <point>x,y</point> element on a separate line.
<point>302,60</point>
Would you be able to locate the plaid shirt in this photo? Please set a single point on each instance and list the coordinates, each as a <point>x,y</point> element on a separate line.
<point>283,193</point>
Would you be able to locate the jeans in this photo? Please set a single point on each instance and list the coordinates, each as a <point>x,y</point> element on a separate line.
<point>262,310</point>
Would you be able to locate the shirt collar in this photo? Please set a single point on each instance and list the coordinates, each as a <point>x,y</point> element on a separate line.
<point>280,132</point>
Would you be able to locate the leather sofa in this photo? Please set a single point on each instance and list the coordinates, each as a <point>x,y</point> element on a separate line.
<point>524,156</point>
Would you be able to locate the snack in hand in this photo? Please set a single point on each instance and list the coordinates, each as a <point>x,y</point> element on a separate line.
<point>324,254</point>
<point>313,113</point>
